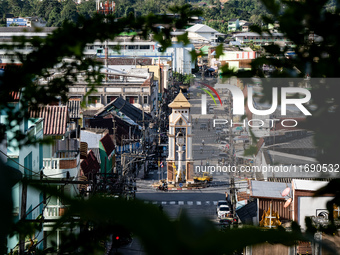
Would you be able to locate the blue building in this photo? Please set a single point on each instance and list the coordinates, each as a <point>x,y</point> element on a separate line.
<point>29,161</point>
<point>20,22</point>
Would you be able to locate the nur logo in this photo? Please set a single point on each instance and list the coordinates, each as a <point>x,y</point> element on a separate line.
<point>238,100</point>
<point>204,98</point>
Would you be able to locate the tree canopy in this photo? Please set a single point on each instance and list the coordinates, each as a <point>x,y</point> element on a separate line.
<point>102,215</point>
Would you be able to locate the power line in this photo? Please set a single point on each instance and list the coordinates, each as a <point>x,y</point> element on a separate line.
<point>19,163</point>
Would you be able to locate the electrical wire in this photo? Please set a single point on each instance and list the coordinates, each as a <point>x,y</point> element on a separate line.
<point>19,163</point>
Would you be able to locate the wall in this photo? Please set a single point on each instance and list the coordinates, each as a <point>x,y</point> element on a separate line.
<point>103,159</point>
<point>269,249</point>
<point>3,148</point>
<point>34,197</point>
<point>92,139</point>
<point>307,206</point>
<point>202,36</point>
<point>237,55</point>
<point>181,58</point>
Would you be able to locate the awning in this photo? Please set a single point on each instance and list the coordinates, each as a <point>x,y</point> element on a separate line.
<point>205,49</point>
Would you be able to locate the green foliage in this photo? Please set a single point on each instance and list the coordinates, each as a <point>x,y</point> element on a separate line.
<point>98,216</point>
<point>87,8</point>
<point>69,11</point>
<point>249,10</point>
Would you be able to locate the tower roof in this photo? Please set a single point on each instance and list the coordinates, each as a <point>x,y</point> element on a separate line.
<point>180,102</point>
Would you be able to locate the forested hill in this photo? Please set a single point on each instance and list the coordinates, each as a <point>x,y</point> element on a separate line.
<point>216,14</point>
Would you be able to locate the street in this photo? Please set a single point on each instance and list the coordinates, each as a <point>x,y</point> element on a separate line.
<point>197,203</point>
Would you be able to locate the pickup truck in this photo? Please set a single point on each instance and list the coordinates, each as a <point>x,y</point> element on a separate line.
<point>204,178</point>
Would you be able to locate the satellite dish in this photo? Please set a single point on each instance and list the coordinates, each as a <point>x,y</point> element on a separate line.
<point>288,202</point>
<point>323,214</point>
<point>285,192</point>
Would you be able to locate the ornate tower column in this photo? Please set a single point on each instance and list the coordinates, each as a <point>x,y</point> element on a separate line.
<point>180,140</point>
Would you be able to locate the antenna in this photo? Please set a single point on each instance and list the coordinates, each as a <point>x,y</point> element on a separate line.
<point>285,192</point>
<point>288,202</point>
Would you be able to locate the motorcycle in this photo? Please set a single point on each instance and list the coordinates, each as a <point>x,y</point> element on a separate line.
<point>163,187</point>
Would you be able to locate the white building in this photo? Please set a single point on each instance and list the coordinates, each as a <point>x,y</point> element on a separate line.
<point>202,33</point>
<point>121,47</point>
<point>305,204</point>
<point>237,58</point>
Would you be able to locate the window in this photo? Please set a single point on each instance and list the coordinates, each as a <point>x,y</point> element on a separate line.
<point>41,156</point>
<point>94,99</point>
<point>144,47</point>
<point>132,99</point>
<point>111,98</point>
<point>28,166</point>
<point>132,47</point>
<point>145,99</point>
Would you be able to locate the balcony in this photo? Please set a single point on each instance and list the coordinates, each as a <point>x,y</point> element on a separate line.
<point>58,167</point>
<point>54,211</point>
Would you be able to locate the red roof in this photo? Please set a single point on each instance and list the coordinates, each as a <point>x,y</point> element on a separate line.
<point>90,164</point>
<point>55,118</point>
<point>15,95</point>
<point>107,144</point>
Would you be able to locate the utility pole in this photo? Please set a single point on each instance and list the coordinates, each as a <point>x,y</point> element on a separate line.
<point>202,69</point>
<point>23,217</point>
<point>231,159</point>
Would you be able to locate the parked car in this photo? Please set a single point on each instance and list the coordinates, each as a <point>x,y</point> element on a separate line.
<point>219,203</point>
<point>204,178</point>
<point>223,211</point>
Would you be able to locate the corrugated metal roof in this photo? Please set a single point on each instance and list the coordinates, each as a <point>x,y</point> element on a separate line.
<point>123,127</point>
<point>90,164</point>
<point>96,153</point>
<point>308,185</point>
<point>107,144</point>
<point>247,212</point>
<point>55,119</point>
<point>200,28</point>
<point>246,34</point>
<point>268,189</point>
<point>121,105</point>
<point>74,108</point>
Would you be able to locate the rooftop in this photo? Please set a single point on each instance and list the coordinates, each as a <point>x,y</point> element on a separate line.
<point>74,108</point>
<point>123,106</point>
<point>55,118</point>
<point>308,185</point>
<point>90,164</point>
<point>200,28</point>
<point>246,34</point>
<point>107,144</point>
<point>180,102</point>
<point>268,189</point>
